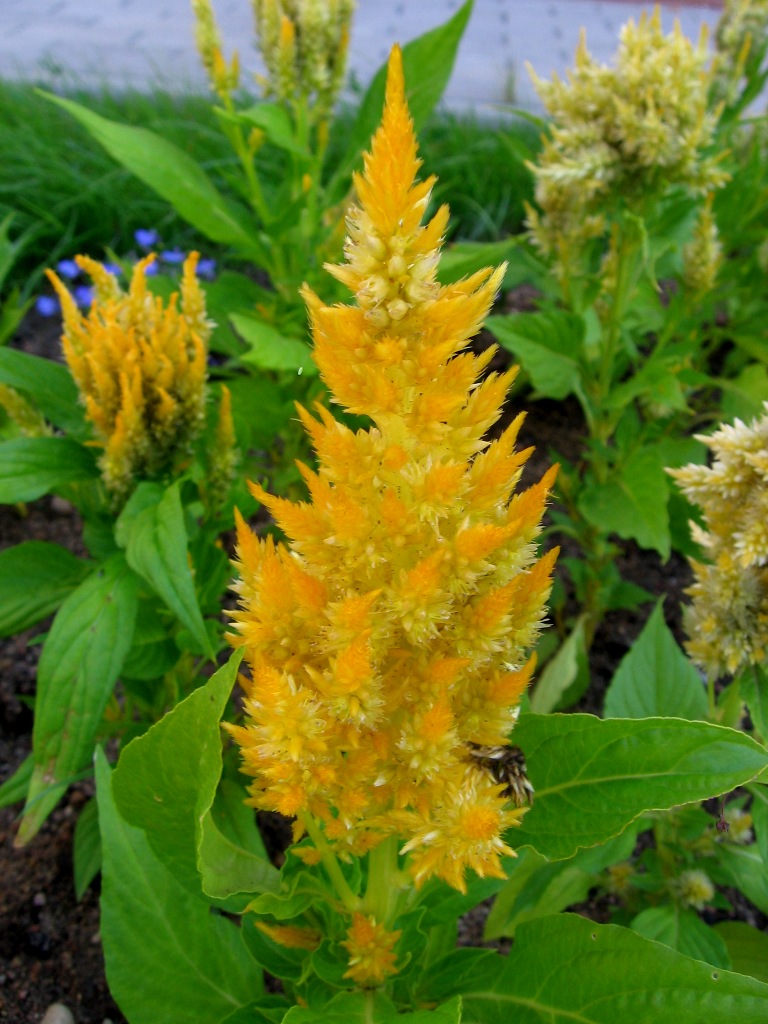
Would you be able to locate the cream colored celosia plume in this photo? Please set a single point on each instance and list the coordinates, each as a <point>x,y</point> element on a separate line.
<point>140,366</point>
<point>392,630</point>
<point>727,621</point>
<point>623,133</point>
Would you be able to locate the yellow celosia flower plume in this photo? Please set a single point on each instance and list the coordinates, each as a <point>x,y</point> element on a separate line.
<point>392,630</point>
<point>140,366</point>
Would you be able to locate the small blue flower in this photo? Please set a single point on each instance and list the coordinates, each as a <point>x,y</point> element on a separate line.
<point>173,256</point>
<point>146,237</point>
<point>206,269</point>
<point>152,269</point>
<point>113,268</point>
<point>47,305</point>
<point>83,296</point>
<point>68,268</point>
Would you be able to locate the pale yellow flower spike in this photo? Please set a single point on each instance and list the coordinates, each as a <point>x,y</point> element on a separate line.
<point>392,631</point>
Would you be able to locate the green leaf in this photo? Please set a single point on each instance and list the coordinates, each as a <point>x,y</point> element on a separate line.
<point>173,175</point>
<point>747,948</point>
<point>656,678</point>
<point>281,961</point>
<point>427,66</point>
<point>593,777</point>
<point>35,577</point>
<point>547,345</point>
<point>167,956</point>
<point>230,292</point>
<point>759,811</point>
<point>563,969</point>
<point>166,780</point>
<point>753,687</point>
<point>16,786</point>
<point>744,868</point>
<point>465,258</point>
<point>372,1008</point>
<point>536,888</point>
<point>48,384</point>
<point>276,123</point>
<point>79,665</point>
<point>33,466</point>
<point>86,849</point>
<point>567,669</point>
<point>232,858</point>
<point>156,548</point>
<point>270,349</point>
<point>633,503</point>
<point>684,931</point>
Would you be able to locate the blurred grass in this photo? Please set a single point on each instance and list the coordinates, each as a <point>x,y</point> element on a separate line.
<point>75,198</point>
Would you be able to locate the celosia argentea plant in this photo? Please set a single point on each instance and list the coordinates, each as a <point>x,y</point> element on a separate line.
<point>389,639</point>
<point>387,650</point>
<point>129,434</point>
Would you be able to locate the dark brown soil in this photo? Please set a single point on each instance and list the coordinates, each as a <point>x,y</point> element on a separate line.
<point>49,944</point>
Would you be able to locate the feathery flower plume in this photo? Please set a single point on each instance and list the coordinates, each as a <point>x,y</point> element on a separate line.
<point>624,133</point>
<point>304,45</point>
<point>392,630</point>
<point>370,945</point>
<point>727,621</point>
<point>140,366</point>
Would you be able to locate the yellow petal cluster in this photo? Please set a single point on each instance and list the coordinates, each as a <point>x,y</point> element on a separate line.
<point>622,133</point>
<point>140,366</point>
<point>727,621</point>
<point>392,630</point>
<point>370,947</point>
<point>304,45</point>
<point>224,77</point>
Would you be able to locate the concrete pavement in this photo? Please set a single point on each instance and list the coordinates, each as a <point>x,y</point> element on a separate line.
<point>142,43</point>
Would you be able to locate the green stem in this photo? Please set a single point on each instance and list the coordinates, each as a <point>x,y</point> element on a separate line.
<point>711,697</point>
<point>382,892</point>
<point>331,864</point>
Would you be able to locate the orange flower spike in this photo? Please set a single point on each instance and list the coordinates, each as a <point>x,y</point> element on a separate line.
<point>370,685</point>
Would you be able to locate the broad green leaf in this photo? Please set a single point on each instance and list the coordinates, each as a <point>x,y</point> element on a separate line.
<point>275,122</point>
<point>759,812</point>
<point>232,858</point>
<point>536,888</point>
<point>175,176</point>
<point>156,549</point>
<point>548,346</point>
<point>361,1008</point>
<point>744,868</point>
<point>230,292</point>
<point>465,258</point>
<point>633,503</point>
<point>16,786</point>
<point>270,349</point>
<point>286,963</point>
<point>167,956</point>
<point>753,687</point>
<point>48,384</point>
<point>270,1009</point>
<point>33,466</point>
<point>656,678</point>
<point>744,397</point>
<point>562,672</point>
<point>166,780</point>
<point>86,849</point>
<point>565,968</point>
<point>79,665</point>
<point>35,577</point>
<point>260,409</point>
<point>747,948</point>
<point>427,66</point>
<point>593,777</point>
<point>684,931</point>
